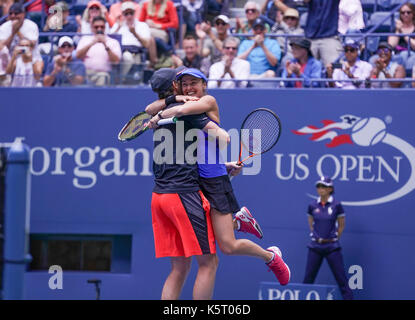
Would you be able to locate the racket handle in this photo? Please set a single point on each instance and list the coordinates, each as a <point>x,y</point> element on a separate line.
<point>163,122</point>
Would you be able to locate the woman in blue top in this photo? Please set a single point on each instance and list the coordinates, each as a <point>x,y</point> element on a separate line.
<point>326,221</point>
<point>215,183</point>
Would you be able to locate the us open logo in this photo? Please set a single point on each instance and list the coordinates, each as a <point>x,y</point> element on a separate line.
<point>363,132</point>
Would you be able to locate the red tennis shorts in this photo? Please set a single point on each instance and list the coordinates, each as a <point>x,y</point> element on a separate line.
<point>181,224</point>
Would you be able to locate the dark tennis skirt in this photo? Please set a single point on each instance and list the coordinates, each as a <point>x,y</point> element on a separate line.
<point>219,192</point>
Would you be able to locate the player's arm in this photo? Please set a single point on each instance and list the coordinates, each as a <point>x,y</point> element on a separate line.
<point>158,105</point>
<point>341,224</point>
<point>203,105</point>
<point>216,132</point>
<point>310,222</point>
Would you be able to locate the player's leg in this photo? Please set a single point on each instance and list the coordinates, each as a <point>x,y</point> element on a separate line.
<point>335,261</point>
<point>314,260</point>
<point>180,267</point>
<point>205,278</point>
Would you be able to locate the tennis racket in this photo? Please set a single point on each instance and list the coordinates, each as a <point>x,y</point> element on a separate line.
<point>138,125</point>
<point>260,131</point>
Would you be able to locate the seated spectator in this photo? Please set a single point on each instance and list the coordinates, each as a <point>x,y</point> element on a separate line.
<point>252,12</point>
<point>230,67</point>
<point>64,69</point>
<point>115,12</point>
<point>58,20</point>
<point>160,15</point>
<point>405,24</point>
<point>135,35</point>
<point>98,53</point>
<point>211,39</point>
<point>4,61</point>
<point>290,24</point>
<point>34,10</point>
<point>350,16</point>
<point>384,68</point>
<point>25,67</point>
<point>18,28</point>
<point>352,68</point>
<point>304,65</point>
<point>322,29</point>
<point>192,14</point>
<point>261,52</point>
<point>192,58</point>
<point>93,9</point>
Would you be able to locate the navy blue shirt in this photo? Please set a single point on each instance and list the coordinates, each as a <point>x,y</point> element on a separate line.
<point>74,68</point>
<point>325,218</point>
<point>322,19</point>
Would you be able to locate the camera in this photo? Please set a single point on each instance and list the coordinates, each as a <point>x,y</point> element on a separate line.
<point>337,65</point>
<point>22,49</point>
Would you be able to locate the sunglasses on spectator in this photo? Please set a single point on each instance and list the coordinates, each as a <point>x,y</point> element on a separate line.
<point>406,12</point>
<point>128,13</point>
<point>66,45</point>
<point>14,13</point>
<point>220,23</point>
<point>250,10</point>
<point>94,8</point>
<point>290,18</point>
<point>383,50</point>
<point>349,49</point>
<point>231,48</point>
<point>99,27</point>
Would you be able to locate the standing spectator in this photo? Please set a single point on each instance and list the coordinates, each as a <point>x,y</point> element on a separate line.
<point>261,52</point>
<point>18,28</point>
<point>93,9</point>
<point>290,24</point>
<point>326,220</point>
<point>352,68</point>
<point>115,12</point>
<point>252,12</point>
<point>34,10</point>
<point>304,65</point>
<point>230,67</point>
<point>350,16</point>
<point>321,28</point>
<point>65,69</point>
<point>98,52</point>
<point>211,39</point>
<point>4,61</point>
<point>405,24</point>
<point>25,67</point>
<point>135,35</point>
<point>386,69</point>
<point>192,58</point>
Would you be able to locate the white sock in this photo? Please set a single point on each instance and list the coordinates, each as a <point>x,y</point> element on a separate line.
<point>238,223</point>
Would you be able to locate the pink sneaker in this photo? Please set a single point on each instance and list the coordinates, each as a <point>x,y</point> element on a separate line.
<point>279,267</point>
<point>247,223</point>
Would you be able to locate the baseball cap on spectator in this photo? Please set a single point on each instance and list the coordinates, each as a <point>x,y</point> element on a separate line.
<point>351,43</point>
<point>191,72</point>
<point>258,22</point>
<point>384,44</point>
<point>127,5</point>
<point>16,8</point>
<point>94,3</point>
<point>63,40</point>
<point>303,43</point>
<point>290,12</point>
<point>223,18</point>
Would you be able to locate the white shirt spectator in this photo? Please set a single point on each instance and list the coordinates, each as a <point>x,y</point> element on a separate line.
<point>350,16</point>
<point>128,39</point>
<point>239,67</point>
<point>361,70</point>
<point>28,30</point>
<point>23,75</point>
<point>86,27</point>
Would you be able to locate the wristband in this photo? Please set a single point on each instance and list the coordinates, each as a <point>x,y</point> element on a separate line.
<point>170,99</point>
<point>159,114</point>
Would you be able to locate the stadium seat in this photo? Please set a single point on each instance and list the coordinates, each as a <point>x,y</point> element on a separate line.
<point>368,5</point>
<point>383,19</point>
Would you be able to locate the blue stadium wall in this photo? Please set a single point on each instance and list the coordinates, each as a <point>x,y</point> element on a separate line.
<point>86,182</point>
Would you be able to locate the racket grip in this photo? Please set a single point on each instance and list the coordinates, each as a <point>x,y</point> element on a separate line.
<point>163,122</point>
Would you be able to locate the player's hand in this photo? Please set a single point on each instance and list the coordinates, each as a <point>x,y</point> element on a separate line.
<point>181,98</point>
<point>233,168</point>
<point>152,124</point>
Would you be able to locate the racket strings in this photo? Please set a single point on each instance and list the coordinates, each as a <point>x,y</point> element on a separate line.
<point>269,127</point>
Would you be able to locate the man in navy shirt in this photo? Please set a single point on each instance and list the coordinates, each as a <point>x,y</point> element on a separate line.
<point>326,221</point>
<point>321,28</point>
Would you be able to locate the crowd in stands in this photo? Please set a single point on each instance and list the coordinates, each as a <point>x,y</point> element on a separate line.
<point>275,43</point>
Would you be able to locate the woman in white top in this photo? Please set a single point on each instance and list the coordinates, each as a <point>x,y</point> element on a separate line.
<point>25,67</point>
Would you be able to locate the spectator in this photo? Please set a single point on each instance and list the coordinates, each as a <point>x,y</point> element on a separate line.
<point>34,10</point>
<point>321,28</point>
<point>384,68</point>
<point>261,52</point>
<point>115,12</point>
<point>4,61</point>
<point>350,16</point>
<point>58,20</point>
<point>98,52</point>
<point>304,65</point>
<point>18,28</point>
<point>93,9</point>
<point>352,68</point>
<point>290,24</point>
<point>272,8</point>
<point>160,15</point>
<point>65,69</point>
<point>405,24</point>
<point>230,67</point>
<point>192,15</point>
<point>25,67</point>
<point>135,35</point>
<point>4,8</point>
<point>252,12</point>
<point>192,58</point>
<point>212,38</point>
<point>216,8</point>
